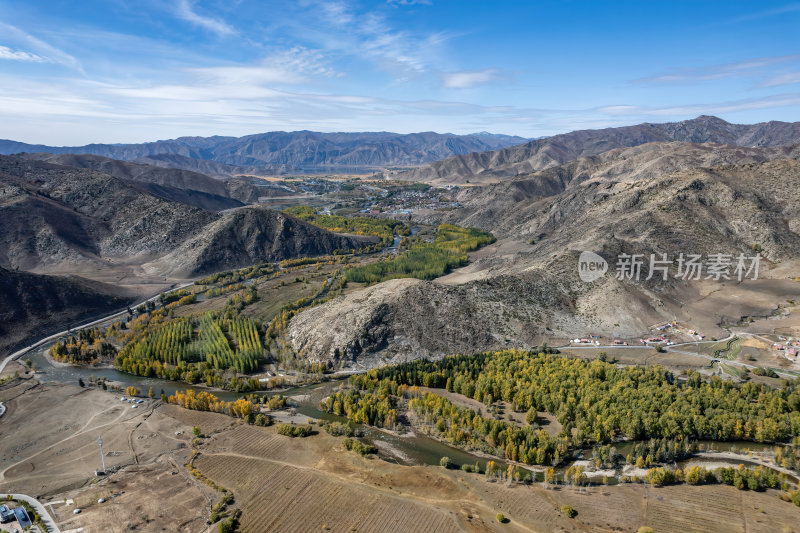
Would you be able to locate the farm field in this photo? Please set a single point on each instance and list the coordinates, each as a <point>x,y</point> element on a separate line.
<point>303,484</point>
<point>284,484</point>
<point>638,356</point>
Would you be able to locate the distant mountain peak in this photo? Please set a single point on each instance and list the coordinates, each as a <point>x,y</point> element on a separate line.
<point>299,151</point>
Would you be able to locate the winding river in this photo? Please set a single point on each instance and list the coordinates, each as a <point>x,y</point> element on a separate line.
<point>412,448</point>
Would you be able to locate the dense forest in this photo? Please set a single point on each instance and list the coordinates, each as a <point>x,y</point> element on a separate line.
<point>596,403</point>
<point>88,346</point>
<point>386,229</point>
<point>197,347</point>
<point>425,260</point>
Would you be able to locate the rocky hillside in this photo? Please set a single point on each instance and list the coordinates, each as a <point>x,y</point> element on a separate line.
<point>663,198</point>
<point>492,166</point>
<point>249,236</point>
<point>34,305</point>
<point>283,152</point>
<point>509,208</point>
<point>58,218</point>
<point>177,185</point>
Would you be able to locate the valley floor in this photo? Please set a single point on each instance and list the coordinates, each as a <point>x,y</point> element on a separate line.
<point>50,451</point>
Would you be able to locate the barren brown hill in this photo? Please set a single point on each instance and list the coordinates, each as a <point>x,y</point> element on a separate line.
<point>248,236</point>
<point>519,293</point>
<point>59,218</point>
<point>488,167</point>
<point>34,305</point>
<point>503,208</point>
<point>177,185</point>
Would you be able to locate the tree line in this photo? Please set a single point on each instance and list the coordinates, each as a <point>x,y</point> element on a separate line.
<point>425,260</point>
<point>596,403</point>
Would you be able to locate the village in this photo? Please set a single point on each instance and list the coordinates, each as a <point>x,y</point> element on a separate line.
<point>404,201</point>
<point>737,356</point>
<point>668,334</point>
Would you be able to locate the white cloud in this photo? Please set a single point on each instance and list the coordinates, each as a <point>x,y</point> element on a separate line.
<point>782,79</point>
<point>42,49</point>
<point>368,35</point>
<point>19,55</point>
<point>238,82</point>
<point>778,100</point>
<point>748,67</point>
<point>184,10</point>
<point>408,2</point>
<point>468,78</point>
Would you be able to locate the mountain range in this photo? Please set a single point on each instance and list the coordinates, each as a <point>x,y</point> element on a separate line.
<point>495,165</point>
<point>699,186</point>
<point>655,198</point>
<point>287,152</point>
<point>58,218</point>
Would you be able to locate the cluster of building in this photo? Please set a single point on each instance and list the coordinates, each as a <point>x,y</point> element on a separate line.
<point>19,514</point>
<point>649,341</point>
<point>594,340</point>
<point>788,347</point>
<point>673,328</point>
<point>136,402</point>
<point>405,201</point>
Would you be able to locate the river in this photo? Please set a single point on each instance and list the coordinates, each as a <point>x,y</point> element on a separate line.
<point>412,448</point>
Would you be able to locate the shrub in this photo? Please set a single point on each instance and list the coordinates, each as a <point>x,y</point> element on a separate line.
<point>446,462</point>
<point>337,429</point>
<point>290,430</point>
<point>359,447</point>
<point>568,511</point>
<point>501,518</point>
<point>227,526</point>
<point>262,420</point>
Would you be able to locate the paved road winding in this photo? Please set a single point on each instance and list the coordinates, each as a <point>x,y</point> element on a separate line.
<point>23,351</point>
<point>48,520</point>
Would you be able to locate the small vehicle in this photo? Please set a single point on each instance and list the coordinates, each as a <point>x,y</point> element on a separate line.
<point>76,511</point>
<point>124,399</point>
<point>134,406</point>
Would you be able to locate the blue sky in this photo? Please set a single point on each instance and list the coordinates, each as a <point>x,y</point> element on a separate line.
<point>74,72</point>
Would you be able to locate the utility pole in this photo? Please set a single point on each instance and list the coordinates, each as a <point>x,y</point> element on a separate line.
<point>102,457</point>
